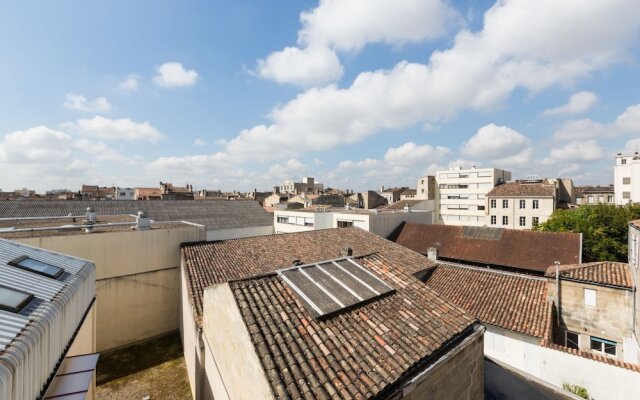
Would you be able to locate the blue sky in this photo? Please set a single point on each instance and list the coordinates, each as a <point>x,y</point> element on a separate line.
<point>237,95</point>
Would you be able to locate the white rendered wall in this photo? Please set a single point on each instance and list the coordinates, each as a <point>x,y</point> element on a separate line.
<point>629,170</point>
<point>546,207</point>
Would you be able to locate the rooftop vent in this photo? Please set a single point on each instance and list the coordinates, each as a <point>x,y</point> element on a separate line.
<point>296,262</point>
<point>142,221</point>
<point>432,253</point>
<point>346,252</point>
<point>91,215</point>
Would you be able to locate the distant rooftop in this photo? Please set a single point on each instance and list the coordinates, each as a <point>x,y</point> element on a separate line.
<point>214,214</point>
<point>525,250</point>
<point>524,189</point>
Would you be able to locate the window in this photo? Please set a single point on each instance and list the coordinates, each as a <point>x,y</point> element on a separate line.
<point>38,267</point>
<point>345,224</point>
<point>505,203</point>
<point>421,190</point>
<point>308,222</point>
<point>626,181</point>
<point>590,297</point>
<point>522,203</point>
<point>523,221</point>
<point>13,300</point>
<point>591,199</point>
<point>572,340</point>
<point>535,204</point>
<point>626,195</point>
<point>480,208</point>
<point>609,198</point>
<point>505,220</point>
<point>535,221</point>
<point>493,204</point>
<point>603,345</point>
<point>493,220</point>
<point>623,161</point>
<point>283,220</point>
<point>422,183</point>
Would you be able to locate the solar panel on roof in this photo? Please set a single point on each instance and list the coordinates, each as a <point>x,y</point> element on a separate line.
<point>330,286</point>
<point>482,232</point>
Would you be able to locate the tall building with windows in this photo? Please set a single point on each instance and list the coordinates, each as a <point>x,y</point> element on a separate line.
<point>521,204</point>
<point>626,178</point>
<point>461,194</point>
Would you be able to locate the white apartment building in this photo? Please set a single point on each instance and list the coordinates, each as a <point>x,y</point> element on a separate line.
<point>461,194</point>
<point>125,193</point>
<point>626,179</point>
<point>521,205</point>
<point>382,223</point>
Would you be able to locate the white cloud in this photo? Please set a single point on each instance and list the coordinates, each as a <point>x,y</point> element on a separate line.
<point>114,129</point>
<point>527,45</point>
<point>576,151</point>
<point>627,122</point>
<point>39,144</point>
<point>363,164</point>
<point>349,25</point>
<point>74,101</point>
<point>410,154</point>
<point>100,151</point>
<point>173,74</point>
<point>303,67</point>
<point>291,168</point>
<point>578,103</point>
<point>130,83</point>
<point>493,141</point>
<point>200,142</point>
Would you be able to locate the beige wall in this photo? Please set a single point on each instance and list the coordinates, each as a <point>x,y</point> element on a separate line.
<point>458,377</point>
<point>634,265</point>
<point>190,337</point>
<point>137,279</point>
<point>611,318</point>
<point>232,367</point>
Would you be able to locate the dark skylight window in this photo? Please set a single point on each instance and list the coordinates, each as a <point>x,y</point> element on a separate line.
<point>13,300</point>
<point>331,286</point>
<point>39,267</point>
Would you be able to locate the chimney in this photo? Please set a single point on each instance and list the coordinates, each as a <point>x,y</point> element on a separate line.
<point>407,208</point>
<point>432,253</point>
<point>143,222</point>
<point>382,188</point>
<point>346,252</point>
<point>276,190</point>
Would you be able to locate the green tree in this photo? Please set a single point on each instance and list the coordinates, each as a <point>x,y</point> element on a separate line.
<point>604,229</point>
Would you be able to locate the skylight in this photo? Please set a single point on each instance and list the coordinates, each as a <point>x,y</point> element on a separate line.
<point>13,300</point>
<point>39,267</point>
<point>330,286</point>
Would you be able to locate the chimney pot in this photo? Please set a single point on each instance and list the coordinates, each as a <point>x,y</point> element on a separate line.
<point>347,251</point>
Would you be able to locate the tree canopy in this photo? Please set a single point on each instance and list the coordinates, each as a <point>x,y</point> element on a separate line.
<point>604,229</point>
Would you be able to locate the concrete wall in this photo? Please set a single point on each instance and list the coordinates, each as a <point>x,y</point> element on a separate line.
<point>224,234</point>
<point>460,376</point>
<point>137,279</point>
<point>190,337</point>
<point>603,381</point>
<point>611,318</point>
<point>232,367</point>
<point>383,224</point>
<point>634,265</point>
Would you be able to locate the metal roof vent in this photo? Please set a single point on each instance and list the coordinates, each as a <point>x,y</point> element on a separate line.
<point>142,221</point>
<point>296,262</point>
<point>346,251</point>
<point>91,215</point>
<point>407,208</point>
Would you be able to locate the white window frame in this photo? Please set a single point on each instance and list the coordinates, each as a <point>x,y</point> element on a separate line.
<point>523,204</point>
<point>494,220</point>
<point>522,221</point>
<point>535,204</point>
<point>505,203</point>
<point>505,220</point>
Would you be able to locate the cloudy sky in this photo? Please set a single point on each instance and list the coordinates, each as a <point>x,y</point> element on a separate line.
<point>358,93</point>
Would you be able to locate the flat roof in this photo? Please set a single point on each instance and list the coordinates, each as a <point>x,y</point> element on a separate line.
<point>67,226</point>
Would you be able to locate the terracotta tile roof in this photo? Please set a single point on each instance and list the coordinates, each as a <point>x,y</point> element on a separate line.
<point>601,272</point>
<point>410,192</point>
<point>209,263</point>
<point>582,190</point>
<point>528,250</point>
<point>357,353</point>
<point>510,301</point>
<point>592,356</point>
<point>517,189</point>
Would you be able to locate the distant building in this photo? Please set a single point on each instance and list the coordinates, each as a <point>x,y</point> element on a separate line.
<point>125,193</point>
<point>94,192</point>
<point>24,192</point>
<point>370,200</point>
<point>141,193</point>
<point>462,194</point>
<point>426,188</point>
<point>591,195</point>
<point>47,317</point>
<point>409,194</point>
<point>382,223</point>
<point>626,178</point>
<point>170,192</point>
<point>308,185</point>
<point>522,204</point>
<point>391,195</point>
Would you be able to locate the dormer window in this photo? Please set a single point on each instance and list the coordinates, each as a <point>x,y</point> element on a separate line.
<point>32,265</point>
<point>13,300</point>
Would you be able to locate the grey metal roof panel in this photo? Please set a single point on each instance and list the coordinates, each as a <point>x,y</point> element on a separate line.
<point>214,214</point>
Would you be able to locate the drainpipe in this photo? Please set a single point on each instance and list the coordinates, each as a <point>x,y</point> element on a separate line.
<point>557,263</point>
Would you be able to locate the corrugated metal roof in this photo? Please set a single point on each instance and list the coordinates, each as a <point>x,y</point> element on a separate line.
<point>214,214</point>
